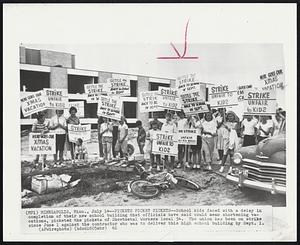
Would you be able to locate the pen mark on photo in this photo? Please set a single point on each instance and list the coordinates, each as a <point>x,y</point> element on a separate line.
<point>176,50</point>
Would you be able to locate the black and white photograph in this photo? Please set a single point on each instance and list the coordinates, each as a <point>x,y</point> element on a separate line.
<point>149,122</point>
<point>211,133</point>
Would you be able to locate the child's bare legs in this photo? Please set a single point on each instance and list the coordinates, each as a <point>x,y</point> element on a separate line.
<point>55,156</point>
<point>141,147</point>
<point>223,162</point>
<point>36,160</point>
<point>44,161</point>
<point>194,155</point>
<point>199,157</point>
<point>171,162</point>
<point>181,152</point>
<point>109,150</point>
<point>152,160</point>
<point>104,144</point>
<point>220,154</point>
<point>61,156</point>
<point>158,160</point>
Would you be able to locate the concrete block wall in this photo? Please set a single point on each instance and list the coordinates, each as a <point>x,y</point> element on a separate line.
<point>142,86</point>
<point>102,76</point>
<point>52,58</point>
<point>172,83</point>
<point>22,55</point>
<point>58,79</point>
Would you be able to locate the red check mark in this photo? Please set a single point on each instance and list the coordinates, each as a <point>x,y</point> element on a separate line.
<point>176,50</point>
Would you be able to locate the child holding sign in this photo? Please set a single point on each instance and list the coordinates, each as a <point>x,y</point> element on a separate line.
<point>122,136</point>
<point>182,123</point>
<point>169,127</point>
<point>209,132</point>
<point>58,125</point>
<point>150,136</point>
<point>196,149</point>
<point>107,137</point>
<point>230,137</point>
<point>141,138</point>
<point>40,126</point>
<point>73,119</point>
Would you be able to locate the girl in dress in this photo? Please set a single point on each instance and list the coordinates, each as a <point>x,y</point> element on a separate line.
<point>209,131</point>
<point>230,138</point>
<point>73,119</point>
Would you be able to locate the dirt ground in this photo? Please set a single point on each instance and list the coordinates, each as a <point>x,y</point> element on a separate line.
<point>216,190</point>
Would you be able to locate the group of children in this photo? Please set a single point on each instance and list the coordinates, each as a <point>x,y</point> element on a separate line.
<point>58,125</point>
<point>216,130</point>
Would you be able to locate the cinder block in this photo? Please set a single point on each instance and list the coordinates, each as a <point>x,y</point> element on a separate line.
<point>142,86</point>
<point>52,58</point>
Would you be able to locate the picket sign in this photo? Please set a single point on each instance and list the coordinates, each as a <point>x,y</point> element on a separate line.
<point>259,102</point>
<point>193,100</point>
<point>148,101</point>
<point>57,98</point>
<point>187,136</point>
<point>241,91</point>
<point>95,91</point>
<point>168,99</point>
<point>79,105</point>
<point>187,82</point>
<point>118,85</point>
<point>33,102</point>
<point>79,131</point>
<point>165,143</point>
<point>272,80</point>
<point>110,107</point>
<point>220,96</point>
<point>42,143</point>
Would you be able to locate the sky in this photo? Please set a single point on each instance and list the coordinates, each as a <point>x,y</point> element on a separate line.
<point>217,63</point>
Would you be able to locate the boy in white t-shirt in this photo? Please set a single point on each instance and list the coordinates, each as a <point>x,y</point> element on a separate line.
<point>265,128</point>
<point>249,130</point>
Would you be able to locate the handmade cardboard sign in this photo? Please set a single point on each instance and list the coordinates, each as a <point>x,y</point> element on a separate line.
<point>259,102</point>
<point>165,144</point>
<point>33,102</point>
<point>168,98</point>
<point>57,98</point>
<point>110,107</point>
<point>148,101</point>
<point>222,95</point>
<point>79,105</point>
<point>193,101</point>
<point>119,85</point>
<point>241,91</point>
<point>94,91</point>
<point>272,80</point>
<point>79,131</point>
<point>187,136</point>
<point>187,82</point>
<point>42,143</point>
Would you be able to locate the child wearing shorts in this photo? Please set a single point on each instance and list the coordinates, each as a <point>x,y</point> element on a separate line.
<point>40,126</point>
<point>107,137</point>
